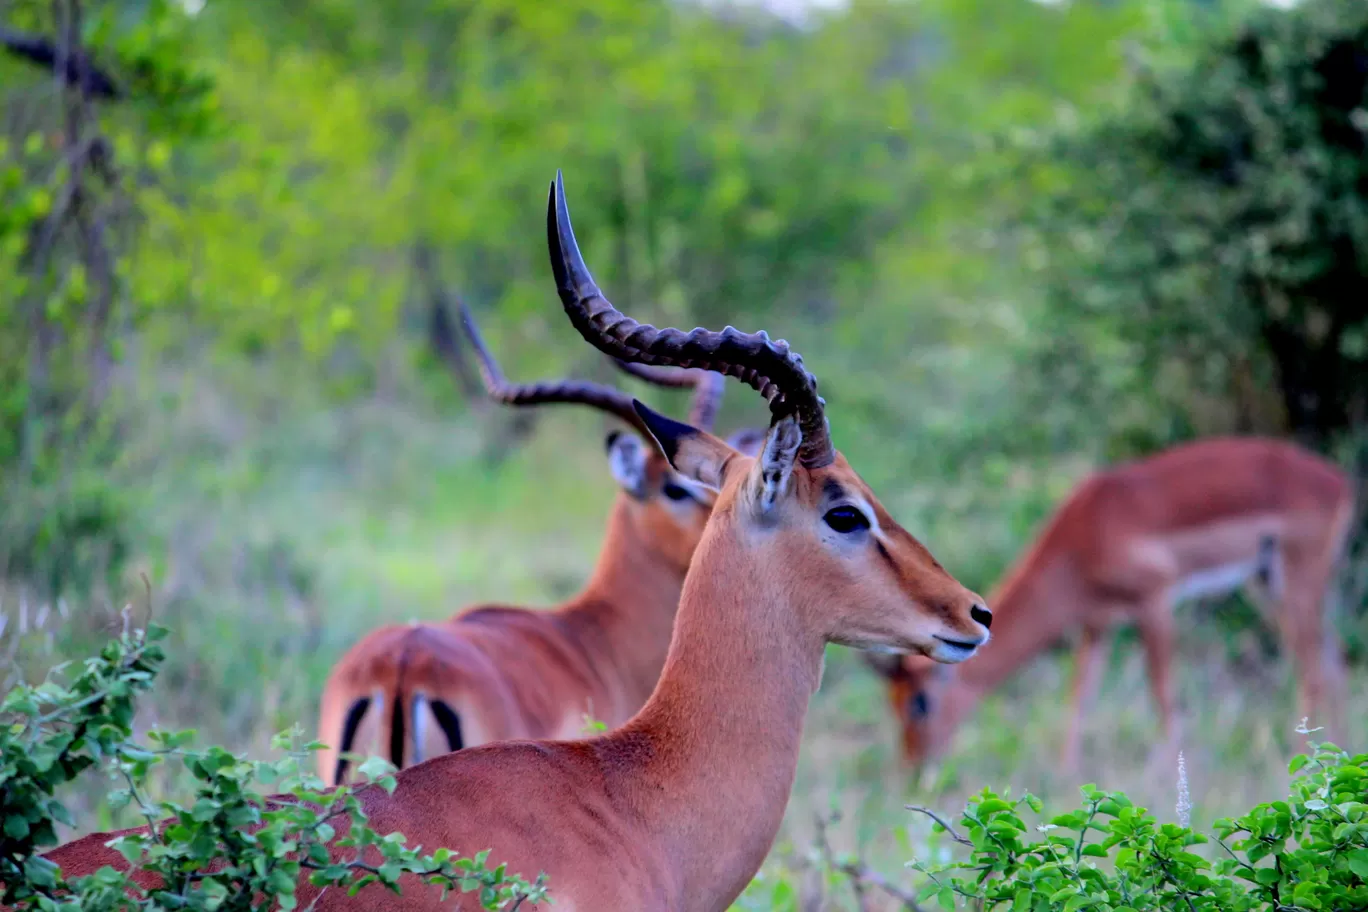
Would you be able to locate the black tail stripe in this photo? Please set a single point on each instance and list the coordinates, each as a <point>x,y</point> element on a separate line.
<point>349,727</point>
<point>450,723</point>
<point>397,734</point>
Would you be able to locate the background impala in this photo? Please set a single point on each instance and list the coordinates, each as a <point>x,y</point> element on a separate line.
<point>1198,520</point>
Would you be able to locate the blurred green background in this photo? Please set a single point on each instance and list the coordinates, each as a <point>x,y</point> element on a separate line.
<point>1015,240</point>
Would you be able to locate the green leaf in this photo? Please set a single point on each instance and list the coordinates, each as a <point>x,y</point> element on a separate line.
<point>375,767</point>
<point>1307,895</point>
<point>16,827</point>
<point>1358,862</point>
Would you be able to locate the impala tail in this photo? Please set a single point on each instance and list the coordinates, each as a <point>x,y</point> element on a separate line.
<point>419,727</point>
<point>436,729</point>
<point>405,728</point>
<point>408,694</point>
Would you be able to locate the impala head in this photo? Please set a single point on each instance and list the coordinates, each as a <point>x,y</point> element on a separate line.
<point>870,583</point>
<point>667,509</point>
<point>918,690</point>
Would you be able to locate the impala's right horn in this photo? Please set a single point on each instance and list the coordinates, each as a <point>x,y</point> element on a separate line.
<point>769,366</point>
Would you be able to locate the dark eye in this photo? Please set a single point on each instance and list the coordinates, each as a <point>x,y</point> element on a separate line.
<point>846,520</point>
<point>676,492</point>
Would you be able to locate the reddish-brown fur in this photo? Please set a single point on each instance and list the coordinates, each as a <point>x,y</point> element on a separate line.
<point>1115,550</point>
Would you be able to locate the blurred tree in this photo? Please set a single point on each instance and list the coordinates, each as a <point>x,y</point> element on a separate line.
<point>1214,225</point>
<point>85,125</point>
<point>715,169</point>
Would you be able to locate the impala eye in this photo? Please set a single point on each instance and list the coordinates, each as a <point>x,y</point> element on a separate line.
<point>846,520</point>
<point>676,492</point>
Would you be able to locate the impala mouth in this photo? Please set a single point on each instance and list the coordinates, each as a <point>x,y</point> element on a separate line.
<point>953,650</point>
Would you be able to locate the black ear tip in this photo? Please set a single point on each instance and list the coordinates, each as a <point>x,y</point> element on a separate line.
<point>667,432</point>
<point>611,439</point>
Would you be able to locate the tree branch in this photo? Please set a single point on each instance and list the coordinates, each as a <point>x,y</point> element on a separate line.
<point>936,817</point>
<point>78,70</point>
<point>862,877</point>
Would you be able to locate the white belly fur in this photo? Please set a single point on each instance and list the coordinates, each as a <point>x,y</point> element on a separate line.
<point>1219,558</point>
<point>1213,581</point>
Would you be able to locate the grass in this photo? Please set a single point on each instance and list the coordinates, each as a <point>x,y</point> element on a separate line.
<point>276,527</point>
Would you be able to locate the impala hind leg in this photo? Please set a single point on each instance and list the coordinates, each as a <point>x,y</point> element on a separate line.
<point>1088,661</point>
<point>1317,658</point>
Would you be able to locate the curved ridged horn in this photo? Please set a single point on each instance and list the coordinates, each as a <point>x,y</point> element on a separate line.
<point>708,387</point>
<point>546,392</point>
<point>769,366</point>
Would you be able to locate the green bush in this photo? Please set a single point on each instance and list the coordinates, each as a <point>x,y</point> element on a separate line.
<point>1308,852</point>
<point>1211,229</point>
<point>228,849</point>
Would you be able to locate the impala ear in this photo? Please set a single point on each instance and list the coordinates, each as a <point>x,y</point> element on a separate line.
<point>693,453</point>
<point>627,461</point>
<point>774,467</point>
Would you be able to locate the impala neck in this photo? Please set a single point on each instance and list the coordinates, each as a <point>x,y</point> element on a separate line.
<point>630,599</point>
<point>721,732</point>
<point>1030,612</point>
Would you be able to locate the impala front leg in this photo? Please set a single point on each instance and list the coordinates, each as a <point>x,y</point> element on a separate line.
<point>1157,635</point>
<point>1087,670</point>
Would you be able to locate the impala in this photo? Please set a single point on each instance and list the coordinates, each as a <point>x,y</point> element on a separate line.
<point>1199,519</point>
<point>413,691</point>
<point>676,809</point>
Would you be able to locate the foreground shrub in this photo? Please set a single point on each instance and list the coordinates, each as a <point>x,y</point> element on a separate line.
<point>257,852</point>
<point>1303,854</point>
<point>1307,852</point>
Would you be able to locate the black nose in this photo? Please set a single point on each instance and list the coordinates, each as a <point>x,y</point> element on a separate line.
<point>981,614</point>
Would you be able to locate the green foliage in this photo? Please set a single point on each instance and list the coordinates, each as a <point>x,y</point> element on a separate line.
<point>229,849</point>
<point>52,734</point>
<point>64,535</point>
<point>1212,228</point>
<point>1308,852</point>
<point>75,174</point>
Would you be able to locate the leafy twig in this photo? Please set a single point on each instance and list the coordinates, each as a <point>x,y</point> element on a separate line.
<point>938,819</point>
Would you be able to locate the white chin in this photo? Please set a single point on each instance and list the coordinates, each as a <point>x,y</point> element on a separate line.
<point>951,654</point>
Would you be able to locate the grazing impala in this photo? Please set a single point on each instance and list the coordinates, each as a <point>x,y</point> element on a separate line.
<point>675,810</point>
<point>413,691</point>
<point>1199,519</point>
